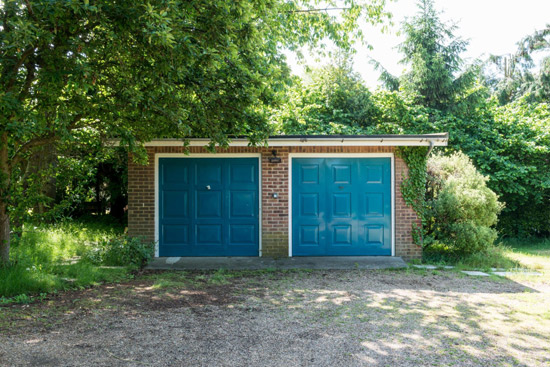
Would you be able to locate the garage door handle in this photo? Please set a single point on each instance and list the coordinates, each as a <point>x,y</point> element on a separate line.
<point>208,187</point>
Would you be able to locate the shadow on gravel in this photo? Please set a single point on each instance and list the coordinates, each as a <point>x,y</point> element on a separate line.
<point>298,318</point>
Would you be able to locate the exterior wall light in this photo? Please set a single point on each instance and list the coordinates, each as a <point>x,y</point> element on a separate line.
<point>274,158</point>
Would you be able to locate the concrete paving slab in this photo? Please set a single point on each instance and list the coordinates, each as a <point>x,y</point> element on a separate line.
<point>432,267</point>
<point>475,273</point>
<point>429,267</point>
<point>172,260</point>
<point>258,263</point>
<point>509,273</point>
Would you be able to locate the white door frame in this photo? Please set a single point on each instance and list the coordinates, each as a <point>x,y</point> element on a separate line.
<point>341,155</point>
<point>208,155</point>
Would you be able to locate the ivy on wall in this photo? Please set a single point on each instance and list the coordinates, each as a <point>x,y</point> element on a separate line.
<point>413,187</point>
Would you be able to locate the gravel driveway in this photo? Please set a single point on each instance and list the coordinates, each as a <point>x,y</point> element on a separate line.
<point>319,318</point>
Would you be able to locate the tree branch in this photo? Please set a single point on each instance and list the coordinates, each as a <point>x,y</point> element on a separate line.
<point>17,65</point>
<point>29,9</point>
<point>28,80</point>
<point>313,10</point>
<point>33,143</point>
<point>24,56</point>
<point>41,141</point>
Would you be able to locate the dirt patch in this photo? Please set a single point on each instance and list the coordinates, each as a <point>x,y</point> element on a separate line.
<point>325,318</point>
<point>137,296</point>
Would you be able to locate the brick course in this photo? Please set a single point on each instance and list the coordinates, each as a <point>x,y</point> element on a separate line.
<point>141,196</point>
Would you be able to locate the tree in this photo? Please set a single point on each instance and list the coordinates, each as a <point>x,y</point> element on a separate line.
<point>431,51</point>
<point>510,77</point>
<point>330,100</point>
<point>79,70</point>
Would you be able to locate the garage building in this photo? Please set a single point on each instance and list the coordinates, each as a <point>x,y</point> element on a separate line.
<point>299,196</point>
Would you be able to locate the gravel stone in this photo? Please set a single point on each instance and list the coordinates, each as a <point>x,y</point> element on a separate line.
<point>317,318</point>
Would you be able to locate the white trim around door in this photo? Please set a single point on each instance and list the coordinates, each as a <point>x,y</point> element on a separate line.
<point>208,155</point>
<point>341,155</point>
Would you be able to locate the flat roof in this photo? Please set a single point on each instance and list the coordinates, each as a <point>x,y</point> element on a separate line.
<point>438,139</point>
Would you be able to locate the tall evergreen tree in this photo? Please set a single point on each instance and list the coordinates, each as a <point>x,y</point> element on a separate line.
<point>432,51</point>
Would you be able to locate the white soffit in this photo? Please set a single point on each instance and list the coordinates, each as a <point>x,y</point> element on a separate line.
<point>282,141</point>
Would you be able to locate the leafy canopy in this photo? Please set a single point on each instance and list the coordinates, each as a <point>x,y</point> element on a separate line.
<point>330,100</point>
<point>79,70</point>
<point>159,68</point>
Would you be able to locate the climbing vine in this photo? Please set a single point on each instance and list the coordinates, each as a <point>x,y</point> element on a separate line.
<point>413,187</point>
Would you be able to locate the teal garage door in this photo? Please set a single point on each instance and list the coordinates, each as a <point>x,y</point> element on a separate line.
<point>208,207</point>
<point>341,207</point>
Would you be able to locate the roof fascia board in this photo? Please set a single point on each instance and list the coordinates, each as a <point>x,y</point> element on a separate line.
<point>411,140</point>
<point>309,142</point>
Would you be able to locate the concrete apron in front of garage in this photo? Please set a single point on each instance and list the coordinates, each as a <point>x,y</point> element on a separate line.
<point>258,263</point>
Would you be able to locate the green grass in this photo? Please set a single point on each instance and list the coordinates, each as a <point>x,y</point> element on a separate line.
<point>45,259</point>
<point>526,253</point>
<point>533,246</point>
<point>530,253</point>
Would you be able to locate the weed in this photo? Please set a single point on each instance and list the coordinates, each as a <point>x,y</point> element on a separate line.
<point>46,258</point>
<point>121,251</point>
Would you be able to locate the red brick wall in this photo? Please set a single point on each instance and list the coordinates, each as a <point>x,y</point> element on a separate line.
<point>404,217</point>
<point>275,211</point>
<point>141,192</point>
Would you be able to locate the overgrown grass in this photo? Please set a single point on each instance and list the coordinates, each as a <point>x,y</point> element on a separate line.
<point>532,253</point>
<point>529,253</point>
<point>45,258</point>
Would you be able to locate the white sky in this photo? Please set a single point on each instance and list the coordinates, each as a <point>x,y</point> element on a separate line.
<point>491,26</point>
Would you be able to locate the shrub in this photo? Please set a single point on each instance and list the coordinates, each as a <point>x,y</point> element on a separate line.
<point>121,251</point>
<point>461,209</point>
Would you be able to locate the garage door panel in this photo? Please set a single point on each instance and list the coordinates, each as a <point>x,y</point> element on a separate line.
<point>341,206</point>
<point>240,234</point>
<point>208,207</point>
<point>209,234</point>
<point>309,205</point>
<point>175,234</point>
<point>309,235</point>
<point>374,204</point>
<point>374,234</point>
<point>173,173</point>
<point>341,174</point>
<point>374,174</point>
<point>242,204</point>
<point>243,174</point>
<point>175,204</point>
<point>209,204</point>
<point>209,173</point>
<point>309,174</point>
<point>342,235</point>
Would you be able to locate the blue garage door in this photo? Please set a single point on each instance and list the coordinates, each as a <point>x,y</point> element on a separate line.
<point>341,206</point>
<point>208,207</point>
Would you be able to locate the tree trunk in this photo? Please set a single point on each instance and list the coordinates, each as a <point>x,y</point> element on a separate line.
<point>98,204</point>
<point>41,163</point>
<point>5,176</point>
<point>4,235</point>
